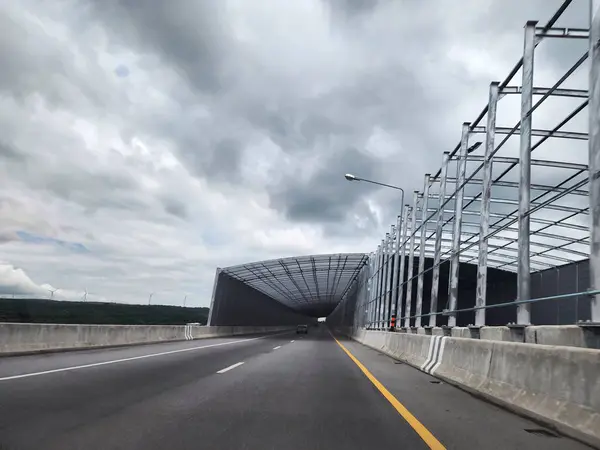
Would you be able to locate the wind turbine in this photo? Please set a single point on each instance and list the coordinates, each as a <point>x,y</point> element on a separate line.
<point>52,291</point>
<point>184,300</point>
<point>150,297</point>
<point>85,295</point>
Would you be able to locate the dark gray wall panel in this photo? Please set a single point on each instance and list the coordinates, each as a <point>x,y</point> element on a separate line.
<point>237,304</point>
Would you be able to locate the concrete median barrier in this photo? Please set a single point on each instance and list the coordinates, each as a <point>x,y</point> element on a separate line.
<point>22,338</point>
<point>557,385</point>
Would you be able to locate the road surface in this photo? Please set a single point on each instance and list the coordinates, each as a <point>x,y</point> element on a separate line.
<point>279,392</point>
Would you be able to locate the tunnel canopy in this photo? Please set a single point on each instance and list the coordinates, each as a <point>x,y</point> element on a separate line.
<point>312,285</point>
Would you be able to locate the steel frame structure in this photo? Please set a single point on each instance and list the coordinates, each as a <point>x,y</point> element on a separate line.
<point>523,226</point>
<point>304,283</point>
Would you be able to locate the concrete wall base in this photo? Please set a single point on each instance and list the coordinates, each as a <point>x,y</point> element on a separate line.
<point>25,338</point>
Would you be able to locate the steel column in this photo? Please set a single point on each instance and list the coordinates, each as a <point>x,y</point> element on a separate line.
<point>524,266</point>
<point>406,218</point>
<point>371,290</point>
<point>388,296</point>
<point>437,253</point>
<point>380,282</point>
<point>411,257</point>
<point>383,280</point>
<point>377,284</point>
<point>594,158</point>
<point>456,238</point>
<point>423,238</point>
<point>385,270</point>
<point>486,195</point>
<point>399,239</point>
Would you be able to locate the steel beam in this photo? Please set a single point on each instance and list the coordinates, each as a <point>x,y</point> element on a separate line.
<point>535,132</point>
<point>575,93</point>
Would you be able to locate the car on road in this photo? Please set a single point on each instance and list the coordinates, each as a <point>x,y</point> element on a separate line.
<point>302,329</point>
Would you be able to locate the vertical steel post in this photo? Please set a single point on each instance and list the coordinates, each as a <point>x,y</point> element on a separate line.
<point>411,257</point>
<point>456,238</point>
<point>399,239</point>
<point>406,218</point>
<point>437,252</point>
<point>386,270</point>
<point>524,267</point>
<point>384,281</point>
<point>381,282</point>
<point>486,195</point>
<point>594,157</point>
<point>371,286</point>
<point>376,300</point>
<point>423,238</point>
<point>388,298</point>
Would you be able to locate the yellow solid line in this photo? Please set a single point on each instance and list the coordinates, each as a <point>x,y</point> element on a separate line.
<point>423,432</point>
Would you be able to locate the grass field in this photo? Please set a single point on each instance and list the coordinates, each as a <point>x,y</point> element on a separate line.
<point>55,311</point>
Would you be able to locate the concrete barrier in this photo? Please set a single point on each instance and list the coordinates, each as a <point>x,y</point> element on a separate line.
<point>22,338</point>
<point>557,385</point>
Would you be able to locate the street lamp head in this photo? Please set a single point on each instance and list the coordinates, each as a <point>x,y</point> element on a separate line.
<point>350,177</point>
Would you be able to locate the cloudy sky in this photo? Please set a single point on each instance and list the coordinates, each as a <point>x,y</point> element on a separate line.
<point>143,144</point>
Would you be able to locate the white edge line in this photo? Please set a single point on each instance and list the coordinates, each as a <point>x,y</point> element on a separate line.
<point>275,348</point>
<point>133,358</point>
<point>233,366</point>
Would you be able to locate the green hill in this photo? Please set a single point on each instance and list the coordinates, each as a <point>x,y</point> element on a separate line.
<point>54,311</point>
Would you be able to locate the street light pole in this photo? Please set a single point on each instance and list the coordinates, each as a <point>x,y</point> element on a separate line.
<point>351,177</point>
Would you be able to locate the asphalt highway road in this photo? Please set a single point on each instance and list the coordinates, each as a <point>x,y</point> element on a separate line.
<point>281,392</point>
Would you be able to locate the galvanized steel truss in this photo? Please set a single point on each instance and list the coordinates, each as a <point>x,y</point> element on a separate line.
<point>524,226</point>
<point>304,283</point>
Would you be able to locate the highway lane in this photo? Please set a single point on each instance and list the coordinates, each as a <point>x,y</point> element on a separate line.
<point>286,395</point>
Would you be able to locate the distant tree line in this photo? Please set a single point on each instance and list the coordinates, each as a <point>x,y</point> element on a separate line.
<point>54,311</point>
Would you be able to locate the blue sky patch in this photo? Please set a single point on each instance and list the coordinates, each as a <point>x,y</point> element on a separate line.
<point>75,247</point>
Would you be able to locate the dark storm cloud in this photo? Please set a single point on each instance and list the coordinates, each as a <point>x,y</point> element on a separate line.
<point>8,152</point>
<point>175,207</point>
<point>189,35</point>
<point>326,196</point>
<point>397,90</point>
<point>352,8</point>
